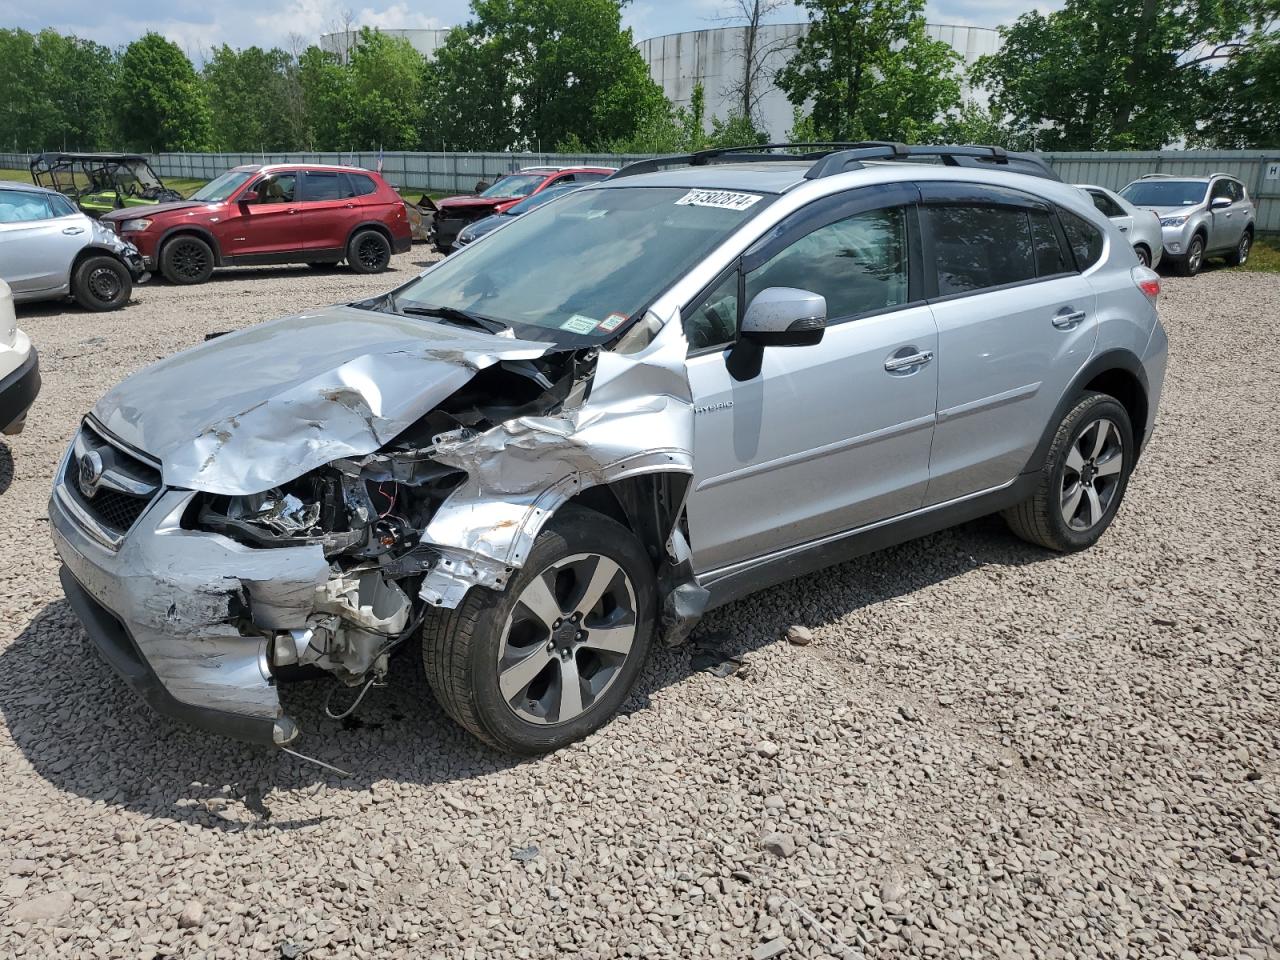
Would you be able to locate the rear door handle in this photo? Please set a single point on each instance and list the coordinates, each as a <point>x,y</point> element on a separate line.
<point>72,231</point>
<point>1124,229</point>
<point>1067,319</point>
<point>895,364</point>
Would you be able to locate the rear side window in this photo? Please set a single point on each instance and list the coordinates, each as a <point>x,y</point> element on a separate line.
<point>859,264</point>
<point>322,186</point>
<point>1051,258</point>
<point>360,185</point>
<point>980,246</point>
<point>1084,238</point>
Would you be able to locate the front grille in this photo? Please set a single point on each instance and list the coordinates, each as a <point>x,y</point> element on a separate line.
<point>107,485</point>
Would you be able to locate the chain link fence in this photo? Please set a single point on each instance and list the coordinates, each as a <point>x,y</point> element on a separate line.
<point>1259,170</point>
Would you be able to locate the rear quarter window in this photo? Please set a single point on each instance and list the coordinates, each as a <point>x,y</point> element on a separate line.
<point>360,185</point>
<point>1083,237</point>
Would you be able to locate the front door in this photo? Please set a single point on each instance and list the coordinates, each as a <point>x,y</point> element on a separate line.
<point>40,236</point>
<point>823,438</point>
<point>267,226</point>
<point>1228,221</point>
<point>1015,322</point>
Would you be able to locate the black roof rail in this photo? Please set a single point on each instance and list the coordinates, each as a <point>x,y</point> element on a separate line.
<point>830,158</point>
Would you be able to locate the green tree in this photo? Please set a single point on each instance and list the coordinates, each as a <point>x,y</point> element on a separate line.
<point>871,71</point>
<point>1114,74</point>
<point>325,93</point>
<point>554,68</point>
<point>1243,98</point>
<point>250,101</point>
<point>385,107</point>
<point>53,91</point>
<point>24,110</point>
<point>974,123</point>
<point>161,99</point>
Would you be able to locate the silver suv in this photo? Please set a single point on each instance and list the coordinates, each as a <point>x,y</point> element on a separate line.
<point>571,439</point>
<point>1199,217</point>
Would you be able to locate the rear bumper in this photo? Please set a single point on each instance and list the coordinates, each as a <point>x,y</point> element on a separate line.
<point>17,392</point>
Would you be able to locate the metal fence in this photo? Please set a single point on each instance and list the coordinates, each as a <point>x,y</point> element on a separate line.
<point>1259,170</point>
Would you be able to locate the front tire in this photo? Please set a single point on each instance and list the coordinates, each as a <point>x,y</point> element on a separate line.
<point>368,252</point>
<point>1083,479</point>
<point>186,261</point>
<point>1190,265</point>
<point>551,657</point>
<point>101,283</point>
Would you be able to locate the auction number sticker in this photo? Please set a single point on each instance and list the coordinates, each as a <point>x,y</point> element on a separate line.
<point>612,322</point>
<point>723,199</point>
<point>579,324</point>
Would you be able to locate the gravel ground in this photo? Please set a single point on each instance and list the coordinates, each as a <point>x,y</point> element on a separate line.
<point>983,751</point>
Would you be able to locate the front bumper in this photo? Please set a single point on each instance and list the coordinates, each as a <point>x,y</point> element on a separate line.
<point>161,609</point>
<point>1177,239</point>
<point>138,267</point>
<point>17,392</point>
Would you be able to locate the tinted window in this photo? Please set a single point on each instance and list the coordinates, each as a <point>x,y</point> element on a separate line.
<point>1084,238</point>
<point>715,320</point>
<point>978,247</point>
<point>360,185</point>
<point>21,206</point>
<point>322,186</point>
<point>1106,206</point>
<point>1051,259</point>
<point>858,264</point>
<point>280,188</point>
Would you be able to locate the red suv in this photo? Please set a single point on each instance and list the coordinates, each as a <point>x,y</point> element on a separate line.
<point>454,213</point>
<point>284,213</point>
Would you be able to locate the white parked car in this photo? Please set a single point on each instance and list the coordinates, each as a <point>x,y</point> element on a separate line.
<point>19,368</point>
<point>1142,227</point>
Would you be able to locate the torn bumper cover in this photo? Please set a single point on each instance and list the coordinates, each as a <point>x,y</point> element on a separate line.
<point>160,611</point>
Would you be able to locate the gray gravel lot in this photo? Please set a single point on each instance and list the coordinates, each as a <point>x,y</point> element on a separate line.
<point>984,751</point>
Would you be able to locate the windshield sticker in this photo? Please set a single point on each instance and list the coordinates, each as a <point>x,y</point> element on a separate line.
<point>612,322</point>
<point>579,324</point>
<point>723,199</point>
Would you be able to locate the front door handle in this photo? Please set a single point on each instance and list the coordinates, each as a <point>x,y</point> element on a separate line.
<point>72,231</point>
<point>895,364</point>
<point>1068,319</point>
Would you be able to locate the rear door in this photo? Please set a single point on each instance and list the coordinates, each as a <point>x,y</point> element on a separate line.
<point>40,236</point>
<point>823,438</point>
<point>1015,322</point>
<point>1112,211</point>
<point>327,210</point>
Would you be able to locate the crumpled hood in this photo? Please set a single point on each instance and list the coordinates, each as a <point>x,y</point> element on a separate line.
<point>150,210</point>
<point>250,410</point>
<point>474,203</point>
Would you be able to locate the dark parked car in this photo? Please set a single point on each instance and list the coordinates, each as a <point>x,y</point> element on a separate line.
<point>284,213</point>
<point>489,224</point>
<point>456,212</point>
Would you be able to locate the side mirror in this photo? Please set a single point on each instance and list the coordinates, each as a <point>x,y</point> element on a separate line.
<point>1219,202</point>
<point>785,317</point>
<point>249,196</point>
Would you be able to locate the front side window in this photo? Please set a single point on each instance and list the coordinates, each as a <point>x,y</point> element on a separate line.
<point>21,206</point>
<point>858,264</point>
<point>280,188</point>
<point>1222,188</point>
<point>1085,239</point>
<point>322,186</point>
<point>715,320</point>
<point>976,247</point>
<point>576,270</point>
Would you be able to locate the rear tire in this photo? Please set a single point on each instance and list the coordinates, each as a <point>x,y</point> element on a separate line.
<point>1143,254</point>
<point>1240,255</point>
<point>1083,480</point>
<point>1190,265</point>
<point>368,251</point>
<point>102,283</point>
<point>186,261</point>
<point>581,609</point>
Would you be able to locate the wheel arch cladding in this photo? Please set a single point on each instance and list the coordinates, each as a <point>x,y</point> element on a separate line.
<point>371,225</point>
<point>176,233</point>
<point>1117,373</point>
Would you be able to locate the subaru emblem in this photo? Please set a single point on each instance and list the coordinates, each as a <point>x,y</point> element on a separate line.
<point>90,470</point>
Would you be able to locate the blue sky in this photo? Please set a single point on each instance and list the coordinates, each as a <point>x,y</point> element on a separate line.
<point>200,25</point>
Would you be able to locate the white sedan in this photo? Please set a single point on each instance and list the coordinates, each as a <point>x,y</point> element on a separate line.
<point>19,368</point>
<point>1142,227</point>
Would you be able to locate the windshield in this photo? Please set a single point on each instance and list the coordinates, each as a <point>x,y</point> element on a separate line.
<point>516,185</point>
<point>576,270</point>
<point>538,199</point>
<point>218,190</point>
<point>1165,193</point>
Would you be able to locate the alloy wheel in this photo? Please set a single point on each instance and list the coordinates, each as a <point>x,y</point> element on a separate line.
<point>1092,474</point>
<point>371,253</point>
<point>1242,251</point>
<point>188,260</point>
<point>1195,255</point>
<point>104,284</point>
<point>567,638</point>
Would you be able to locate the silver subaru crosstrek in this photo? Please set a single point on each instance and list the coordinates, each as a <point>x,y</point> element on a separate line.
<point>571,439</point>
<point>1200,217</point>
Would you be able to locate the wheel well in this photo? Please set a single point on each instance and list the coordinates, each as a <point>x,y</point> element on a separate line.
<point>381,228</point>
<point>1127,389</point>
<point>84,255</point>
<point>647,505</point>
<point>1143,246</point>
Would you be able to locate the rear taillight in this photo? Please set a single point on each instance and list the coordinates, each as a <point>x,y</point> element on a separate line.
<point>1148,281</point>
